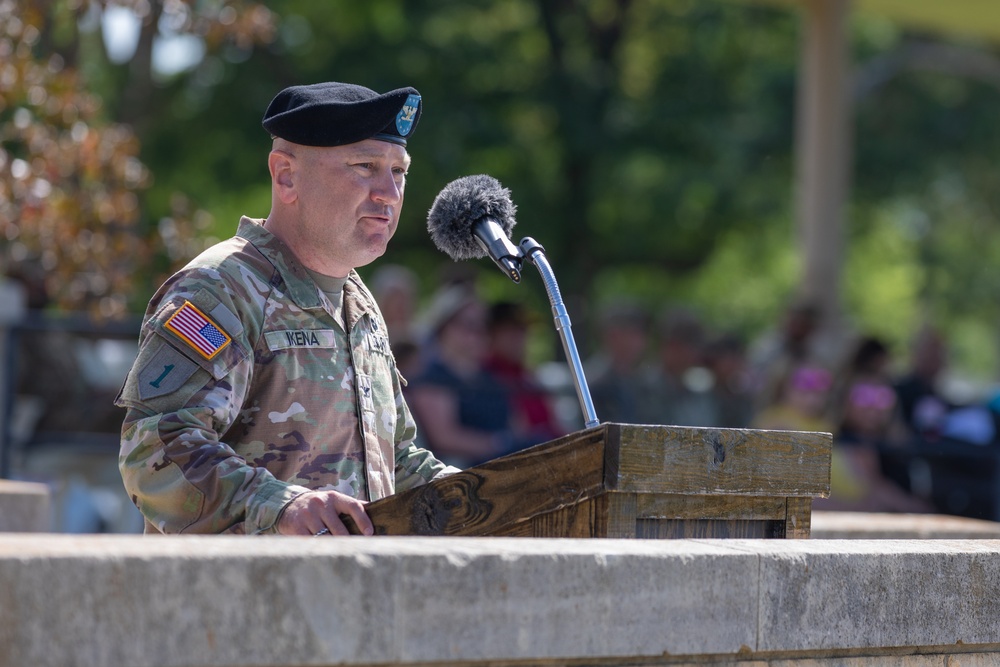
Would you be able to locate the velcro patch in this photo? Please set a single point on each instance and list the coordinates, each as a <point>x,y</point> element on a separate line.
<point>165,373</point>
<point>376,342</point>
<point>281,340</point>
<point>195,328</point>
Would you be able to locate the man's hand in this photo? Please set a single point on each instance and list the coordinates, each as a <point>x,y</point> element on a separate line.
<point>312,512</point>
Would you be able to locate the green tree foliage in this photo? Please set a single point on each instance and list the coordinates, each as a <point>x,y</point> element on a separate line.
<point>628,132</point>
<point>647,144</point>
<point>67,181</point>
<point>924,219</point>
<point>72,223</point>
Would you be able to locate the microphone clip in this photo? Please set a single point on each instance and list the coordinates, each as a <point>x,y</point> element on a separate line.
<point>498,246</point>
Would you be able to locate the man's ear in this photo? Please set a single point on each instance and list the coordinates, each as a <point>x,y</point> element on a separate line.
<point>282,168</point>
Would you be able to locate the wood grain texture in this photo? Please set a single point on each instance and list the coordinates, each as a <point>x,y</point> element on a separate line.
<point>798,519</point>
<point>675,506</point>
<point>574,521</point>
<point>492,497</point>
<point>616,515</point>
<point>659,529</point>
<point>626,481</point>
<point>714,461</point>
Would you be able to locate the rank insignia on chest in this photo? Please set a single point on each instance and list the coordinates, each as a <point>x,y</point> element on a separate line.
<point>195,328</point>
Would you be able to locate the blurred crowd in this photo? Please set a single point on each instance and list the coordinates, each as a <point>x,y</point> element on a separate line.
<point>475,395</point>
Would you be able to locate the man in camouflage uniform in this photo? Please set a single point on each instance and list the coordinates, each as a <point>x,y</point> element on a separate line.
<point>265,397</point>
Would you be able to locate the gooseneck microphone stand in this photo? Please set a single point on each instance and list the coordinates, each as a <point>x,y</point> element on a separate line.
<point>533,251</point>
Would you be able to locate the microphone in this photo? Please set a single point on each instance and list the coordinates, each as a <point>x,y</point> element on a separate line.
<point>472,217</point>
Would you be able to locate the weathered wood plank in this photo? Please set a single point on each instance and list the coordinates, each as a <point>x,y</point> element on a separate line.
<point>659,529</point>
<point>574,521</point>
<point>522,529</point>
<point>675,506</point>
<point>626,480</point>
<point>798,519</point>
<point>709,461</point>
<point>488,498</point>
<point>658,516</point>
<point>616,515</point>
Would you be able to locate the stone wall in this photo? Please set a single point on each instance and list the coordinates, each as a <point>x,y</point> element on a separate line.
<point>24,507</point>
<point>210,601</point>
<point>876,525</point>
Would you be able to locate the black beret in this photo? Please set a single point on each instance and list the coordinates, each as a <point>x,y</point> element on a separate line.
<point>335,114</point>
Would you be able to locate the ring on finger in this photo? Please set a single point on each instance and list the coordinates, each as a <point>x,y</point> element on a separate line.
<point>324,531</point>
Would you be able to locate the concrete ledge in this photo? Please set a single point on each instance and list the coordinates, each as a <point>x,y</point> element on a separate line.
<point>864,525</point>
<point>24,507</point>
<point>211,601</point>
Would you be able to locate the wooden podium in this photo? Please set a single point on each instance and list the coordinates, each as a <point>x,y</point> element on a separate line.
<point>627,481</point>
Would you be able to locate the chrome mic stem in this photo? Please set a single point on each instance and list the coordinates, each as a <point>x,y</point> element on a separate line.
<point>535,253</point>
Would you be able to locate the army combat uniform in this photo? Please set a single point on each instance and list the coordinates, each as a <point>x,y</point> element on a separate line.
<point>252,387</point>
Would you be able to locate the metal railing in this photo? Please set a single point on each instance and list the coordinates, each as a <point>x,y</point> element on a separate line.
<point>60,376</point>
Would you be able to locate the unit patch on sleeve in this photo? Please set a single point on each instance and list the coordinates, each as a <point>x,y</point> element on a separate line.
<point>194,328</point>
<point>164,373</point>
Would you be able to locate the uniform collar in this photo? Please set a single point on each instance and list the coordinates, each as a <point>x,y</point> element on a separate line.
<point>299,285</point>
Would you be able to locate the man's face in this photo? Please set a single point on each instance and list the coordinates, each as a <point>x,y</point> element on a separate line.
<point>349,201</point>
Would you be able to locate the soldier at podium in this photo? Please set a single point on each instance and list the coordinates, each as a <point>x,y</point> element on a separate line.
<point>265,397</point>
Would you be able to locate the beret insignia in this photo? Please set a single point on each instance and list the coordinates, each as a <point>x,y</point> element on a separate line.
<point>336,114</point>
<point>408,114</point>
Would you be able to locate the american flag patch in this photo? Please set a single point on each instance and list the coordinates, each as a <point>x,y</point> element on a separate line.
<point>195,329</point>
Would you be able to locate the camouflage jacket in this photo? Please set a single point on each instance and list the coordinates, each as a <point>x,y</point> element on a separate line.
<point>248,391</point>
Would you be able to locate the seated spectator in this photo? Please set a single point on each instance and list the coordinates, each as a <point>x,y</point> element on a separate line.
<point>922,406</point>
<point>856,479</point>
<point>615,372</point>
<point>462,413</point>
<point>678,385</point>
<point>395,291</point>
<point>868,362</point>
<point>801,337</point>
<point>508,325</point>
<point>801,402</point>
<point>725,358</point>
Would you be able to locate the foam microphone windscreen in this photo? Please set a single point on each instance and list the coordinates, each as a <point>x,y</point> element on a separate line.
<point>460,205</point>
